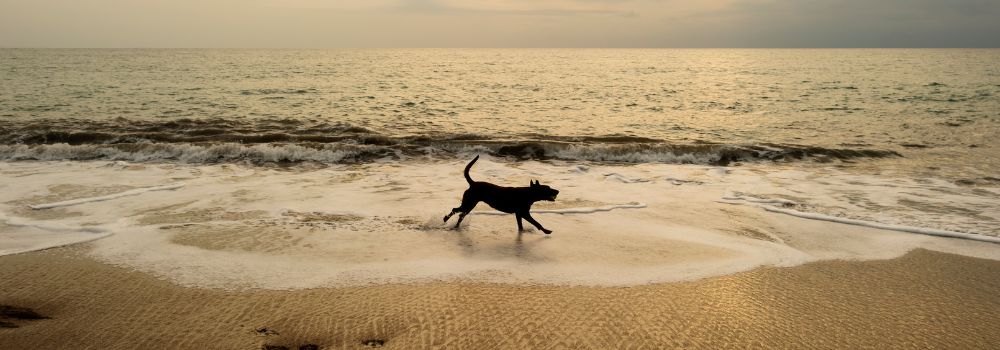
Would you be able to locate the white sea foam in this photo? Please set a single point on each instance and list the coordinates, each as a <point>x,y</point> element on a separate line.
<point>243,227</point>
<point>636,205</point>
<point>607,153</point>
<point>920,230</point>
<point>31,235</point>
<point>186,153</point>
<point>134,192</point>
<point>818,216</point>
<point>730,196</point>
<point>624,179</point>
<point>716,171</point>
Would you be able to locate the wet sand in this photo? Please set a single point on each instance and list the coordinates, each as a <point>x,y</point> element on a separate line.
<point>924,299</point>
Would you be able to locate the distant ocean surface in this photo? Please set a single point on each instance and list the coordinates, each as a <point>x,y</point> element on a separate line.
<point>287,169</point>
<point>937,108</point>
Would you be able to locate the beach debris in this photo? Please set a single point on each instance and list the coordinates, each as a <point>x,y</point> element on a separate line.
<point>282,347</point>
<point>9,313</point>
<point>134,192</point>
<point>318,216</point>
<point>264,331</point>
<point>373,343</point>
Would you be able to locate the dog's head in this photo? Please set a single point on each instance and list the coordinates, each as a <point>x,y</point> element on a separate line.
<point>543,192</point>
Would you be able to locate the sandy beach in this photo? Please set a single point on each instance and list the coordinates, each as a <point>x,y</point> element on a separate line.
<point>265,199</point>
<point>924,299</point>
<point>380,223</point>
<point>652,256</point>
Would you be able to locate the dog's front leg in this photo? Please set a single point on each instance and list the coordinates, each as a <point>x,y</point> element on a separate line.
<point>527,216</point>
<point>519,226</point>
<point>453,211</point>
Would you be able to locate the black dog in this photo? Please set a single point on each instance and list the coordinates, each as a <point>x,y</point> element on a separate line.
<point>516,200</point>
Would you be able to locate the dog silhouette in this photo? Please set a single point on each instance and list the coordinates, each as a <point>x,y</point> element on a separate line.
<point>513,200</point>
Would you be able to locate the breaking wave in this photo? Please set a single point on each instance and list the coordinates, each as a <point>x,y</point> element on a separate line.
<point>354,153</point>
<point>263,141</point>
<point>187,153</point>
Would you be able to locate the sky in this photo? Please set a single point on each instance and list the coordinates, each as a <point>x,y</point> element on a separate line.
<point>499,23</point>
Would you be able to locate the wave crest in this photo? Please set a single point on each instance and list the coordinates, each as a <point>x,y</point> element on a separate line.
<point>189,153</point>
<point>291,140</point>
<point>353,152</point>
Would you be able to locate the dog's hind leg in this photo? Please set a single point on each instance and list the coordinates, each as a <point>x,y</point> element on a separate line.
<point>460,217</point>
<point>527,216</point>
<point>468,203</point>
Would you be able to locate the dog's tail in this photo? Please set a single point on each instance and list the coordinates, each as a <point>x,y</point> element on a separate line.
<point>467,167</point>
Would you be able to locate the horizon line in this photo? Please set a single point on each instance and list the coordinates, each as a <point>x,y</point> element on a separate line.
<point>483,48</point>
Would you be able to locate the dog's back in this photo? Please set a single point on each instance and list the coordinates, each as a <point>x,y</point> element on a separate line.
<point>502,198</point>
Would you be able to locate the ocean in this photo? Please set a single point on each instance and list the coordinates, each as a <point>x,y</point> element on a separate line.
<point>288,169</point>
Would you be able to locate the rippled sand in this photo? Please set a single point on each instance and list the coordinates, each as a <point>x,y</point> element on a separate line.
<point>244,257</point>
<point>924,299</point>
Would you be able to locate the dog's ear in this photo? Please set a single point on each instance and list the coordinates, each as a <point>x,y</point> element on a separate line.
<point>533,183</point>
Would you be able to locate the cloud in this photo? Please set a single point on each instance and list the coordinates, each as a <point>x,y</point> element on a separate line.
<point>424,6</point>
<point>864,23</point>
<point>340,5</point>
<point>500,23</point>
<point>457,7</point>
<point>509,8</point>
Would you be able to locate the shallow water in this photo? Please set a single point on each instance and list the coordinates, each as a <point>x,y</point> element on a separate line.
<point>301,168</point>
<point>381,222</point>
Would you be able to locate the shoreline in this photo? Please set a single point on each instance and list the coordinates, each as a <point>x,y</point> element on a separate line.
<point>924,299</point>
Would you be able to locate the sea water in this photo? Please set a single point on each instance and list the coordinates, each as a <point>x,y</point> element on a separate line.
<point>289,169</point>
